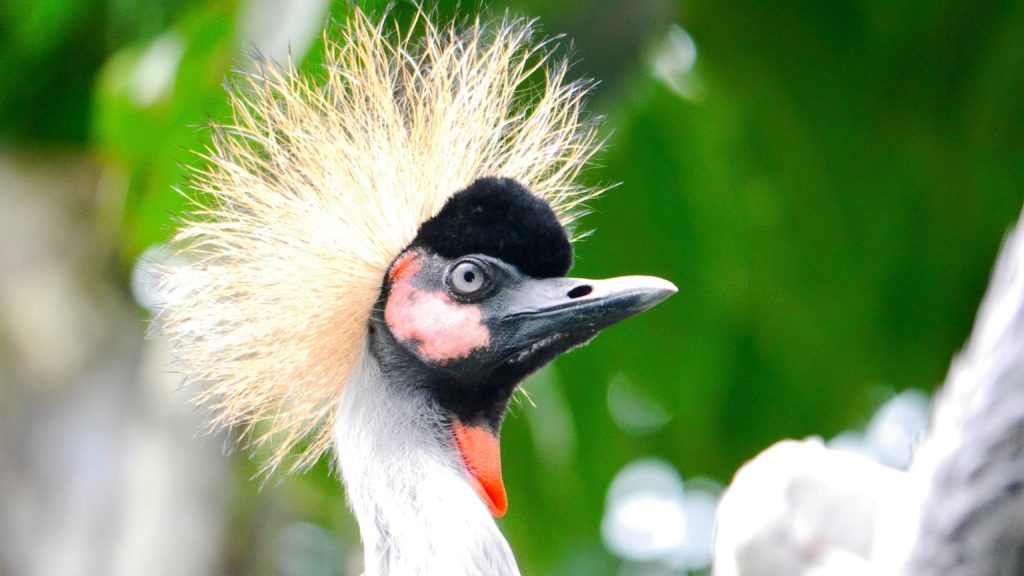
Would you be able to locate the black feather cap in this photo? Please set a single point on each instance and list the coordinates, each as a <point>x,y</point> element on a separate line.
<point>499,217</point>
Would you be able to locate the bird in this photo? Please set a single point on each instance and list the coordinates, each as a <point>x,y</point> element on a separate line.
<point>800,508</point>
<point>376,256</point>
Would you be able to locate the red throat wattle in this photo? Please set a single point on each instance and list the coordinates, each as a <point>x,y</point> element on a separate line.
<point>481,452</point>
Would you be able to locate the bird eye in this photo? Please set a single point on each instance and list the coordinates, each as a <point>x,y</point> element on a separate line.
<point>467,279</point>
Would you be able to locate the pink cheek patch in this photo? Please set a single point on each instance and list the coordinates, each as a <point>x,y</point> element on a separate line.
<point>443,329</point>
<point>406,265</point>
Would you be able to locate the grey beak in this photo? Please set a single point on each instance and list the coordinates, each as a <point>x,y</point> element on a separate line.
<point>540,308</point>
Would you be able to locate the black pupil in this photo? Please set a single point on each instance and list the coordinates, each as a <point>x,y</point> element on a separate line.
<point>469,276</point>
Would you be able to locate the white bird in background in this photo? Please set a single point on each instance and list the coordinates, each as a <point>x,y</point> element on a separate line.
<point>375,260</point>
<point>800,508</point>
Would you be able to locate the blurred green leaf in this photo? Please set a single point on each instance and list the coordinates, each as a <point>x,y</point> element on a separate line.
<point>153,100</point>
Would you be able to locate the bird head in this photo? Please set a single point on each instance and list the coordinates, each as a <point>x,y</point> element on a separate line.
<point>480,300</point>
<point>413,204</point>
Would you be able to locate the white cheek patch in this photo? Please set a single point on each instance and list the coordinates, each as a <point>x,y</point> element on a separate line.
<point>441,328</point>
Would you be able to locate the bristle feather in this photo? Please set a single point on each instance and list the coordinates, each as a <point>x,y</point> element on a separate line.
<point>311,191</point>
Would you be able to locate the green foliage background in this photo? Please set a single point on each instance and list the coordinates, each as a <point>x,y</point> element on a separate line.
<point>829,196</point>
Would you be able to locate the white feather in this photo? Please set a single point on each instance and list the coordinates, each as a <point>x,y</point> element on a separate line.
<point>799,509</point>
<point>407,486</point>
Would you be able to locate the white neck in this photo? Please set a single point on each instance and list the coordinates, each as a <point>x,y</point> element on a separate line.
<point>405,484</point>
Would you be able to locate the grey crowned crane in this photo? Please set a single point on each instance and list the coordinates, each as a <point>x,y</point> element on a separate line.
<point>376,259</point>
<point>801,509</point>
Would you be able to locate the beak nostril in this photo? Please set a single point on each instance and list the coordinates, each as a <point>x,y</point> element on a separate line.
<point>580,291</point>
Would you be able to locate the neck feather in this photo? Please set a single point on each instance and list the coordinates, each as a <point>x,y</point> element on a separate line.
<point>406,486</point>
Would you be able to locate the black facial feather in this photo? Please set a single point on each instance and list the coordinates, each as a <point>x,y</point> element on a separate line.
<point>500,218</point>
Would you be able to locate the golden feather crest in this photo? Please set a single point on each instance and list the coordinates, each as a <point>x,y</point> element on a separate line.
<point>315,186</point>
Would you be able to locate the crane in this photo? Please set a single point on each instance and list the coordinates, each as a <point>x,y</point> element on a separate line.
<point>377,258</point>
<point>802,509</point>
